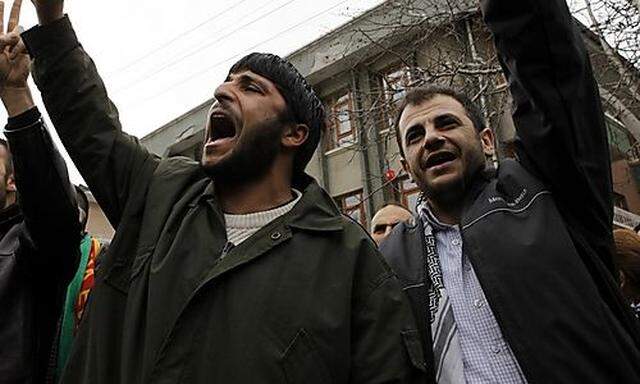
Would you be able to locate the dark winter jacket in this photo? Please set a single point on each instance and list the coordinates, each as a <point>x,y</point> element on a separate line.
<point>538,232</point>
<point>307,299</point>
<point>38,252</point>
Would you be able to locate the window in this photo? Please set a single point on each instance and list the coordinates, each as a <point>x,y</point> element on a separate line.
<point>394,85</point>
<point>341,126</point>
<point>621,140</point>
<point>619,201</point>
<point>409,193</point>
<point>352,205</point>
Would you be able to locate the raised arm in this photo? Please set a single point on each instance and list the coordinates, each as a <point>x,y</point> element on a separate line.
<point>112,163</point>
<point>557,111</point>
<point>45,195</point>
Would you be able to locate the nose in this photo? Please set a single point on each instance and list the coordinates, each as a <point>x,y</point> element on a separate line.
<point>223,93</point>
<point>433,140</point>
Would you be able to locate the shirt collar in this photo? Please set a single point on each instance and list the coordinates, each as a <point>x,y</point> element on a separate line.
<point>427,217</point>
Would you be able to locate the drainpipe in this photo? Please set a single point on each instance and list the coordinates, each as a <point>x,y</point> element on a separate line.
<point>481,84</point>
<point>367,188</point>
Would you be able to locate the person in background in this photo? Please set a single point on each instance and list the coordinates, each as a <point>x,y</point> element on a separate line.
<point>386,218</point>
<point>78,291</point>
<point>39,229</point>
<point>627,261</point>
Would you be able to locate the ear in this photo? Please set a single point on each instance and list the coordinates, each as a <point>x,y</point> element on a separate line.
<point>295,135</point>
<point>11,184</point>
<point>487,141</point>
<point>406,167</point>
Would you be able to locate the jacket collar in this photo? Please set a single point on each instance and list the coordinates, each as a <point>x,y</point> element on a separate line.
<point>426,215</point>
<point>9,217</point>
<point>316,210</point>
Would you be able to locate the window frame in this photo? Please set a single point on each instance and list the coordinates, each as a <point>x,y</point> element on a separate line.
<point>335,106</point>
<point>405,193</point>
<point>390,105</point>
<point>347,209</point>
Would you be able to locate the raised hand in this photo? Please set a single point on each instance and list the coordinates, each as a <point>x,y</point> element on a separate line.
<point>14,64</point>
<point>48,10</point>
<point>14,61</point>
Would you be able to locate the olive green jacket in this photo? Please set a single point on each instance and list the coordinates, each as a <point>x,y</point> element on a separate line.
<point>307,299</point>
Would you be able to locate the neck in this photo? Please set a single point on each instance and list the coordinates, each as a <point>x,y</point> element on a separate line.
<point>268,192</point>
<point>447,213</point>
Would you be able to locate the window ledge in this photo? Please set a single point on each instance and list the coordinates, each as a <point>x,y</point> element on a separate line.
<point>335,151</point>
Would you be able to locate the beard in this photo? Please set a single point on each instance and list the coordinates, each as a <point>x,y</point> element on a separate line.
<point>451,193</point>
<point>252,157</point>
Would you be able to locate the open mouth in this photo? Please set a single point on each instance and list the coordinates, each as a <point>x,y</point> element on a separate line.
<point>222,127</point>
<point>439,158</point>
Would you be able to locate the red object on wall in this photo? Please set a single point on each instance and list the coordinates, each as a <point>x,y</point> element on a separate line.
<point>390,174</point>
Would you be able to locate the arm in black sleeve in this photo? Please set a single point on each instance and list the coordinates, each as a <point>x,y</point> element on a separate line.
<point>557,111</point>
<point>113,164</point>
<point>46,198</point>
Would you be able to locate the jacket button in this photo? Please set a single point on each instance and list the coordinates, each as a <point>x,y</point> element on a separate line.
<point>276,235</point>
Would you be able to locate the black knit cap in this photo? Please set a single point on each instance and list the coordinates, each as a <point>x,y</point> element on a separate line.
<point>304,105</point>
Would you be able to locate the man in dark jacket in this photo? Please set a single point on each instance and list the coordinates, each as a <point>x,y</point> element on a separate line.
<point>509,269</point>
<point>239,269</point>
<point>38,232</point>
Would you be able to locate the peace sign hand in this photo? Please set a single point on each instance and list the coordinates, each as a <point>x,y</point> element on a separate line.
<point>14,61</point>
<point>14,64</point>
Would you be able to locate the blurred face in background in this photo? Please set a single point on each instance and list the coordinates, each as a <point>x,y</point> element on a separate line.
<point>386,219</point>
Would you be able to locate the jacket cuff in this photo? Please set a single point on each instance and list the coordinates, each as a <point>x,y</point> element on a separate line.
<point>24,120</point>
<point>52,39</point>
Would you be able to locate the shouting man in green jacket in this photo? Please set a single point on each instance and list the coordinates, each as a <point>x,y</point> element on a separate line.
<point>237,269</point>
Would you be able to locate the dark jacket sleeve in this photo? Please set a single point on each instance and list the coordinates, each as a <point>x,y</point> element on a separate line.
<point>112,163</point>
<point>557,111</point>
<point>50,242</point>
<point>386,343</point>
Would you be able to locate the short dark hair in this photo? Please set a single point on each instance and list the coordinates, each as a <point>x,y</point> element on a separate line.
<point>303,104</point>
<point>8,163</point>
<point>419,95</point>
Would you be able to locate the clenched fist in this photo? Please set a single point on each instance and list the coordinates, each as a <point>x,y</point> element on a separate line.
<point>49,10</point>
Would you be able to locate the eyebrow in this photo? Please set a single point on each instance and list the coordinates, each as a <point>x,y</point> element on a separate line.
<point>248,79</point>
<point>446,119</point>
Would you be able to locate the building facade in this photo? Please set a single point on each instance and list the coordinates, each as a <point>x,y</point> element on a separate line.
<point>362,69</point>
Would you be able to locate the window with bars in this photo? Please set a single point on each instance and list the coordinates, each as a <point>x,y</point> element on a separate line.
<point>395,83</point>
<point>351,204</point>
<point>409,193</point>
<point>341,126</point>
<point>621,139</point>
<point>620,201</point>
